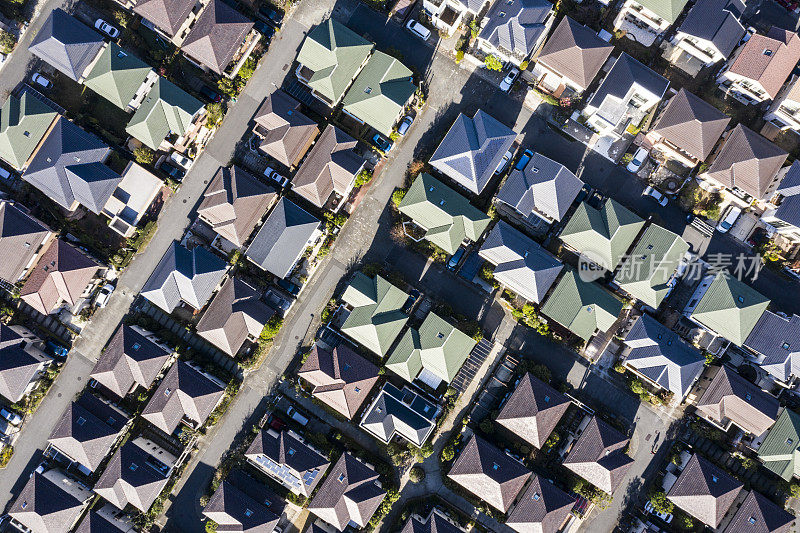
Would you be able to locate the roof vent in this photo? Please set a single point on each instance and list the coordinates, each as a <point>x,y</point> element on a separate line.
<point>26,133</point>
<point>589,309</point>
<point>76,158</point>
<point>368,90</point>
<point>502,14</point>
<point>789,441</point>
<point>341,477</point>
<point>649,246</point>
<point>136,346</point>
<point>741,299</point>
<point>748,397</point>
<point>785,345</point>
<point>547,399</point>
<point>767,52</point>
<point>714,478</point>
<point>248,513</point>
<point>167,392</point>
<point>49,160</point>
<point>289,112</point>
<point>24,505</point>
<point>440,335</point>
<point>534,170</point>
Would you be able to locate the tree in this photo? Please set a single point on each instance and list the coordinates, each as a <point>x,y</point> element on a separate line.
<point>448,453</point>
<point>794,490</point>
<point>397,196</point>
<point>492,62</point>
<point>660,502</point>
<point>144,155</point>
<point>473,28</point>
<point>416,474</point>
<point>214,113</point>
<point>541,372</point>
<point>246,72</point>
<point>211,526</point>
<point>7,42</point>
<point>363,177</point>
<point>272,328</point>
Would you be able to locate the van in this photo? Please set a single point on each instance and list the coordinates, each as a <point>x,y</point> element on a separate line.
<point>727,222</point>
<point>5,174</point>
<point>298,417</point>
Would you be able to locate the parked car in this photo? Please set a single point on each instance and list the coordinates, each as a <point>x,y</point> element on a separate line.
<point>638,159</point>
<point>418,29</point>
<point>275,423</point>
<point>288,286</point>
<point>106,28</point>
<point>172,171</point>
<point>382,142</point>
<point>666,517</point>
<point>181,159</point>
<point>297,416</point>
<point>655,195</point>
<point>404,125</point>
<point>455,259</point>
<point>504,162</point>
<point>103,295</point>
<point>5,174</point>
<point>271,14</point>
<point>523,161</point>
<point>39,469</point>
<point>596,199</point>
<point>585,191</point>
<point>272,175</point>
<point>56,350</point>
<point>264,29</point>
<point>276,300</point>
<point>11,416</point>
<point>41,81</point>
<point>509,80</point>
<point>730,218</point>
<point>211,94</point>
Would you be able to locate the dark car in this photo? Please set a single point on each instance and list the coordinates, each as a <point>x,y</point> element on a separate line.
<point>271,14</point>
<point>585,191</point>
<point>264,29</point>
<point>172,171</point>
<point>289,287</point>
<point>211,94</point>
<point>56,350</point>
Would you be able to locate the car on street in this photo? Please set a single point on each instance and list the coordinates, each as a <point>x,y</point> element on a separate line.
<point>523,161</point>
<point>172,171</point>
<point>509,80</point>
<point>382,142</point>
<point>41,81</point>
<point>288,286</point>
<point>656,195</point>
<point>418,29</point>
<point>103,295</point>
<point>272,175</point>
<point>730,218</point>
<point>181,159</point>
<point>264,29</point>
<point>404,125</point>
<point>638,159</point>
<point>455,259</point>
<point>271,14</point>
<point>666,517</point>
<point>504,162</point>
<point>106,28</point>
<point>211,94</point>
<point>13,418</point>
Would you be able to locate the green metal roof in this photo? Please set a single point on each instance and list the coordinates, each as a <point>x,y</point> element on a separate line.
<point>668,10</point>
<point>779,451</point>
<point>166,109</point>
<point>604,234</point>
<point>380,92</point>
<point>446,216</point>
<point>730,308</point>
<point>377,316</point>
<point>646,271</point>
<point>334,53</point>
<point>582,307</point>
<point>23,123</point>
<point>117,75</point>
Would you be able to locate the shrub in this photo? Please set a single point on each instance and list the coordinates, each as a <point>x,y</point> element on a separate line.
<point>424,452</point>
<point>211,526</point>
<point>459,56</point>
<point>794,489</point>
<point>492,62</point>
<point>144,155</point>
<point>486,426</point>
<point>448,453</point>
<point>541,372</point>
<point>416,474</point>
<point>363,177</point>
<point>5,455</point>
<point>660,502</point>
<point>398,195</point>
<point>523,65</point>
<point>7,42</point>
<point>394,136</point>
<point>246,72</point>
<point>214,113</point>
<point>474,29</point>
<point>272,328</point>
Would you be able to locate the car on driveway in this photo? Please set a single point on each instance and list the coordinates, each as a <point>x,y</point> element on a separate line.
<point>41,81</point>
<point>264,29</point>
<point>106,28</point>
<point>504,162</point>
<point>509,80</point>
<point>288,286</point>
<point>730,218</point>
<point>271,14</point>
<point>638,159</point>
<point>11,416</point>
<point>172,171</point>
<point>272,175</point>
<point>666,517</point>
<point>523,161</point>
<point>452,264</point>
<point>180,159</point>
<point>103,295</point>
<point>55,350</point>
<point>656,195</point>
<point>211,94</point>
<point>404,125</point>
<point>382,142</point>
<point>418,29</point>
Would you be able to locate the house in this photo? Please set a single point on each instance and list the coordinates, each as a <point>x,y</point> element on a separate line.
<point>66,44</point>
<point>233,205</point>
<point>570,59</point>
<point>69,167</point>
<point>759,68</point>
<point>543,507</point>
<point>284,132</point>
<point>136,474</point>
<point>520,263</point>
<point>286,457</point>
<point>288,231</point>
<point>435,522</point>
<point>747,165</point>
<point>170,18</point>
<point>604,235</point>
<point>650,271</point>
<point>63,276</point>
<point>646,20</point>
<point>492,476</point>
<point>217,38</point>
<point>757,513</point>
<point>86,432</point>
<point>132,199</point>
<point>185,395</point>
<point>598,456</point>
<point>625,96</point>
<point>22,239</point>
<point>49,501</point>
<point>448,15</point>
<point>533,411</point>
<point>446,217</point>
<point>24,122</point>
<point>330,167</point>
<point>341,379</point>
<point>330,58</point>
<point>133,358</point>
<point>543,190</point>
<point>400,413</point>
<point>688,129</point>
<point>350,494</point>
<point>22,362</point>
<point>779,452</point>
<point>106,519</point>
<point>233,509</point>
<point>376,312</point>
<point>704,491</point>
<point>732,400</point>
<point>782,215</point>
<point>710,32</point>
<point>514,30</point>
<point>726,307</point>
<point>184,278</point>
<point>433,354</point>
<point>657,354</point>
<point>784,113</point>
<point>472,150</point>
<point>237,315</point>
<point>775,343</point>
<point>166,111</point>
<point>120,77</point>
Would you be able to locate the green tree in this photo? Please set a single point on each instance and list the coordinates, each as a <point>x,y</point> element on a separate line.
<point>249,67</point>
<point>492,62</point>
<point>211,526</point>
<point>448,453</point>
<point>7,42</point>
<point>474,29</point>
<point>660,502</point>
<point>272,328</point>
<point>541,372</point>
<point>794,489</point>
<point>214,113</point>
<point>144,155</point>
<point>416,474</point>
<point>363,177</point>
<point>398,195</point>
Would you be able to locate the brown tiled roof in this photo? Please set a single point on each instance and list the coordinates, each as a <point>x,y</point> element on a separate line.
<point>759,515</point>
<point>704,491</point>
<point>542,508</point>
<point>330,166</point>
<point>44,506</point>
<point>234,510</point>
<point>217,35</point>
<point>286,133</point>
<point>599,456</point>
<point>575,51</point>
<point>434,523</point>
<point>20,239</point>
<point>17,366</point>
<point>533,411</point>
<point>773,68</point>
<point>168,15</point>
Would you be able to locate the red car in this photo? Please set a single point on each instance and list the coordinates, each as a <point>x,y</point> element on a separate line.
<point>275,423</point>
<point>791,5</point>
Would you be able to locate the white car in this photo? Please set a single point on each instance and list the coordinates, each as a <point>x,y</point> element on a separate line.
<point>11,416</point>
<point>509,80</point>
<point>418,29</point>
<point>105,292</point>
<point>106,28</point>
<point>656,195</point>
<point>666,517</point>
<point>273,175</point>
<point>730,218</point>
<point>40,80</point>
<point>181,159</point>
<point>638,159</point>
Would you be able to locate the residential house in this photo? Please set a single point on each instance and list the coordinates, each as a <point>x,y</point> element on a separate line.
<point>784,113</point>
<point>780,452</point>
<point>514,30</point>
<point>650,271</point>
<point>170,18</point>
<point>106,519</point>
<point>775,344</point>
<point>120,77</point>
<point>341,379</point>
<point>570,59</point>
<point>782,216</point>
<point>759,68</point>
<point>132,199</point>
<point>688,129</point>
<point>533,411</point>
<point>598,456</point>
<point>22,362</point>
<point>283,238</point>
<point>49,501</point>
<point>710,32</point>
<point>236,316</point>
<point>543,507</point>
<point>648,19</point>
<point>66,44</point>
<point>399,413</point>
<point>658,355</point>
<point>24,122</point>
<point>433,354</point>
<point>22,239</point>
<point>233,205</point>
<point>472,150</point>
<point>726,307</point>
<point>436,522</point>
<point>329,60</point>
<point>448,15</point>
<point>219,37</point>
<point>604,235</point>
<point>63,277</point>
<point>286,457</point>
<point>757,513</point>
<point>166,116</point>
<point>133,358</point>
<point>186,395</point>
<point>520,263</point>
<point>704,491</point>
<point>350,494</point>
<point>625,96</point>
<point>376,314</point>
<point>184,277</point>
<point>544,190</point>
<point>446,217</point>
<point>241,506</point>
<point>492,476</point>
<point>330,167</point>
<point>284,132</point>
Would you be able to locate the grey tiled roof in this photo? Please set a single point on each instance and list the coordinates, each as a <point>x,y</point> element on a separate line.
<point>623,75</point>
<point>789,188</point>
<point>433,523</point>
<point>394,412</point>
<point>691,124</point>
<point>716,21</point>
<point>43,506</point>
<point>575,51</point>
<point>599,457</point>
<point>731,397</point>
<point>17,367</point>
<point>216,35</point>
<point>533,410</point>
<point>759,515</point>
<point>516,25</point>
<point>778,339</point>
<point>21,236</point>
<point>331,166</point>
<point>542,508</point>
<point>131,479</point>
<point>94,522</point>
<point>66,43</point>
<point>168,15</point>
<point>234,510</point>
<point>704,491</point>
